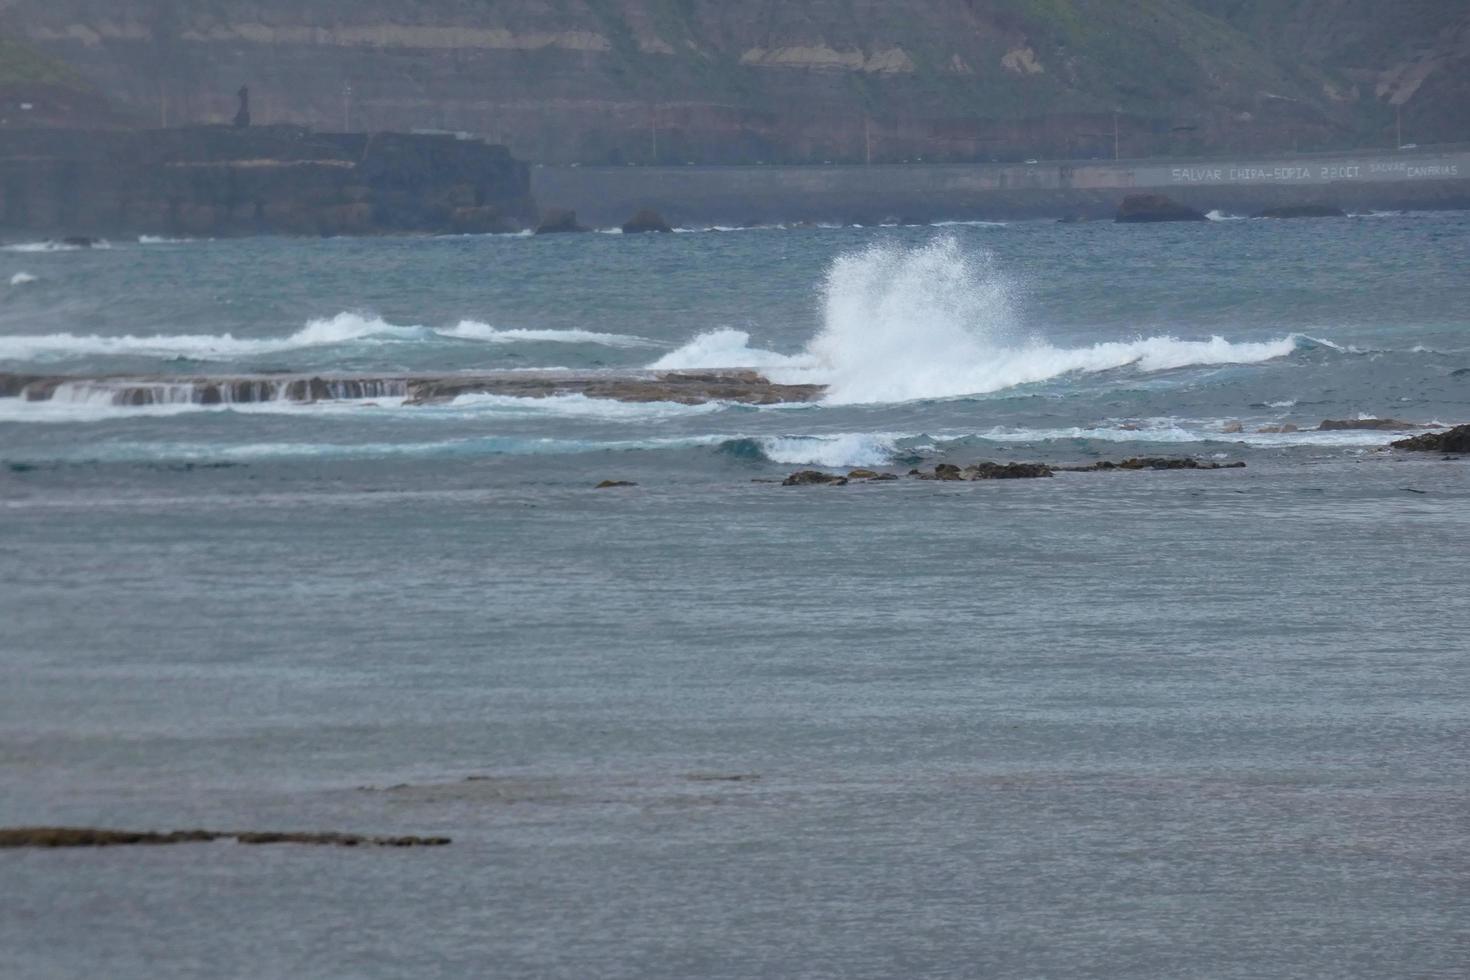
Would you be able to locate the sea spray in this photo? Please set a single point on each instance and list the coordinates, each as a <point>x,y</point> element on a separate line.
<point>936,321</point>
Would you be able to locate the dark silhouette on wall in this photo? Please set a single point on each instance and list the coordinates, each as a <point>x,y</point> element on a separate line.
<point>242,118</point>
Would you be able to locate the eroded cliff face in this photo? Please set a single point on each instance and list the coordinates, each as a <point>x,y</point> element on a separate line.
<point>599,81</point>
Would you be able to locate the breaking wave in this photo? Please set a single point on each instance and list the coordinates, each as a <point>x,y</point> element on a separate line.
<point>23,279</point>
<point>344,328</point>
<point>50,246</point>
<point>904,324</point>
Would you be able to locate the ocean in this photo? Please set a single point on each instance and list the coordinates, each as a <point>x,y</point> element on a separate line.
<point>1203,723</point>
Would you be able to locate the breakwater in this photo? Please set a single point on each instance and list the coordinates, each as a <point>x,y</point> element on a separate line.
<point>1400,179</point>
<point>222,181</point>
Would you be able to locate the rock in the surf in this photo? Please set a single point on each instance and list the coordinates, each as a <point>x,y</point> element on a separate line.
<point>646,221</point>
<point>986,470</point>
<point>1456,440</point>
<point>814,478</point>
<point>1144,208</point>
<point>1006,471</point>
<point>559,221</point>
<point>1366,425</point>
<point>612,484</point>
<point>1303,211</point>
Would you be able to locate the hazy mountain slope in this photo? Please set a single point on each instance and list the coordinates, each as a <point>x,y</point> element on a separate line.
<point>677,80</point>
<point>1409,54</point>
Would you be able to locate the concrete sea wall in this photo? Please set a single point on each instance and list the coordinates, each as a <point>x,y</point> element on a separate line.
<point>221,181</point>
<point>1405,179</point>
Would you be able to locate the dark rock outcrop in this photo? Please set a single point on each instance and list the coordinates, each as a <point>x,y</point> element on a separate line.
<point>1148,208</point>
<point>1456,440</point>
<point>646,221</point>
<point>1304,211</point>
<point>1006,471</point>
<point>814,478</point>
<point>54,837</point>
<point>612,484</point>
<point>559,221</point>
<point>985,470</point>
<point>1366,425</point>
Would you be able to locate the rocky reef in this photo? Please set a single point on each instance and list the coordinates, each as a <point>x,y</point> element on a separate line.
<point>218,181</point>
<point>687,388</point>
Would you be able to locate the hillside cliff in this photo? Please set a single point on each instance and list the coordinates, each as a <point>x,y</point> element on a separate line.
<point>601,81</point>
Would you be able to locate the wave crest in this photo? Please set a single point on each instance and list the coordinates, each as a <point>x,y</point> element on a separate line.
<point>344,328</point>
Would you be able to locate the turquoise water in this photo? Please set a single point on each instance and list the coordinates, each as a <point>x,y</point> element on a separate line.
<point>1151,724</point>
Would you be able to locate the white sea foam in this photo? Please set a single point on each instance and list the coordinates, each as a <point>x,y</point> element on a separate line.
<point>50,246</point>
<point>23,279</point>
<point>162,240</point>
<point>578,406</point>
<point>832,451</point>
<point>727,348</point>
<point>344,328</point>
<point>903,324</point>
<point>475,330</point>
<point>1222,216</point>
<point>79,408</point>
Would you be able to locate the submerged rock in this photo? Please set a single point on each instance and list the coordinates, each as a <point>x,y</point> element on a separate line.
<point>1303,211</point>
<point>52,837</point>
<point>813,478</point>
<point>559,221</point>
<point>94,837</point>
<point>646,221</point>
<point>610,484</point>
<point>1456,440</point>
<point>1144,208</point>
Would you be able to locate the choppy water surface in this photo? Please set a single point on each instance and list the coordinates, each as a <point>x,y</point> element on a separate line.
<point>1105,725</point>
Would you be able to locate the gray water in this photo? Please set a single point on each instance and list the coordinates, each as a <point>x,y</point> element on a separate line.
<point>1156,724</point>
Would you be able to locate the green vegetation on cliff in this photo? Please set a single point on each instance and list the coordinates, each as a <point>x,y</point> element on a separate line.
<point>637,81</point>
<point>20,64</point>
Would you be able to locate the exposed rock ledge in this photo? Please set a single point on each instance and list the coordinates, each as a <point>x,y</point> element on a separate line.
<point>688,388</point>
<point>1456,440</point>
